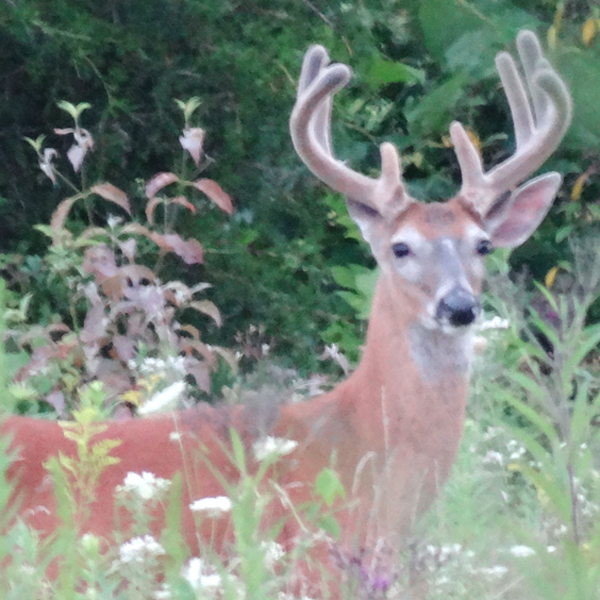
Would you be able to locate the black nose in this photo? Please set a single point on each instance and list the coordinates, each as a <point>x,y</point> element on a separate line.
<point>458,307</point>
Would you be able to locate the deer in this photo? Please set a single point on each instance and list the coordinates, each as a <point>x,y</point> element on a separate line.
<point>391,430</point>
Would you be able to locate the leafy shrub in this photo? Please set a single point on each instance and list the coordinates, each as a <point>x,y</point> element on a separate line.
<point>121,325</point>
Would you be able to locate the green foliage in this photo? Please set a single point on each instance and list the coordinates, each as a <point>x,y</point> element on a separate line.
<point>418,65</point>
<point>77,476</point>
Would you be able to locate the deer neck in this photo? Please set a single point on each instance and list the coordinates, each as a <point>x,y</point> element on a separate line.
<point>412,382</point>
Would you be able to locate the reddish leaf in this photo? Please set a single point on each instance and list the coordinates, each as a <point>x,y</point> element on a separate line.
<point>157,238</point>
<point>128,248</point>
<point>200,371</point>
<point>151,207</point>
<point>113,194</point>
<point>158,182</point>
<point>59,216</point>
<point>215,192</point>
<point>57,400</point>
<point>100,261</point>
<point>135,273</point>
<point>190,251</point>
<point>191,330</point>
<point>190,346</point>
<point>208,308</point>
<point>183,201</point>
<point>94,326</point>
<point>125,347</point>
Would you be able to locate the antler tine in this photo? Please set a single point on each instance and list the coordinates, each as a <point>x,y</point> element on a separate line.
<point>310,130</point>
<point>539,125</point>
<point>315,59</point>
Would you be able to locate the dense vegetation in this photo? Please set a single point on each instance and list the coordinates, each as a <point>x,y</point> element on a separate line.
<point>418,65</point>
<point>288,273</point>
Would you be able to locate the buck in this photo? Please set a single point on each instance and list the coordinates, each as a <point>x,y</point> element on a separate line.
<point>392,429</point>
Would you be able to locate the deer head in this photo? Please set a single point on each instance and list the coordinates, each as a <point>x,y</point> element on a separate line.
<point>432,255</point>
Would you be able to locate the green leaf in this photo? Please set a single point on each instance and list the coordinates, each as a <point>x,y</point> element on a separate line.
<point>37,143</point>
<point>329,524</point>
<point>384,71</point>
<point>239,454</point>
<point>73,110</point>
<point>329,487</point>
<point>434,113</point>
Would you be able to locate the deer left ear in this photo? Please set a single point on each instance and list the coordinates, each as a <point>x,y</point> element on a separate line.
<point>510,221</point>
<point>369,220</point>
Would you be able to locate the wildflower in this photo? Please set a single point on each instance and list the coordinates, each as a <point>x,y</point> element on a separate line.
<point>495,323</point>
<point>192,140</point>
<point>140,550</point>
<point>174,436</point>
<point>273,553</point>
<point>83,143</point>
<point>164,400</point>
<point>195,573</point>
<point>46,163</point>
<point>163,594</point>
<point>493,457</point>
<point>522,551</point>
<point>112,221</point>
<point>493,572</point>
<point>551,549</point>
<point>270,446</point>
<point>213,507</point>
<point>146,486</point>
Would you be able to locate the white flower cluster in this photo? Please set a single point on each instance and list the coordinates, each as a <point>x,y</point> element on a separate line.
<point>521,551</point>
<point>145,486</point>
<point>272,447</point>
<point>494,323</point>
<point>172,365</point>
<point>164,400</point>
<point>213,507</point>
<point>140,550</point>
<point>203,578</point>
<point>273,553</point>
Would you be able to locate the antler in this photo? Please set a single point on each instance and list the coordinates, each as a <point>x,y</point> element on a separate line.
<point>310,126</point>
<point>539,125</point>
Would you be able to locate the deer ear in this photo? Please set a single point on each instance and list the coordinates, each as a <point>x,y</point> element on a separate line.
<point>511,220</point>
<point>369,220</point>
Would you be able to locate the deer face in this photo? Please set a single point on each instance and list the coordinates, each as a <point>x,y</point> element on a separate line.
<point>433,255</point>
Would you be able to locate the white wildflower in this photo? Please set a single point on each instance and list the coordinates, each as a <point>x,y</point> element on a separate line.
<point>493,457</point>
<point>213,507</point>
<point>46,163</point>
<point>273,553</point>
<point>164,400</point>
<point>163,594</point>
<point>196,573</point>
<point>192,140</point>
<point>493,572</point>
<point>273,446</point>
<point>522,551</point>
<point>112,221</point>
<point>495,323</point>
<point>140,549</point>
<point>551,549</point>
<point>174,436</point>
<point>146,486</point>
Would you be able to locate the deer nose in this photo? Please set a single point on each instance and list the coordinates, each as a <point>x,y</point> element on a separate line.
<point>458,307</point>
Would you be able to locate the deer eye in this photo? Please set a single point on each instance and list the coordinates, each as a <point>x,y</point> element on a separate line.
<point>484,247</point>
<point>400,250</point>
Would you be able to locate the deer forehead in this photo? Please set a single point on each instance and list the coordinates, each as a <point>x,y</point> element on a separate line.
<point>466,233</point>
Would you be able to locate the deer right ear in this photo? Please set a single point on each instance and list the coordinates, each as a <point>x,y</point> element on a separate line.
<point>512,219</point>
<point>367,218</point>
